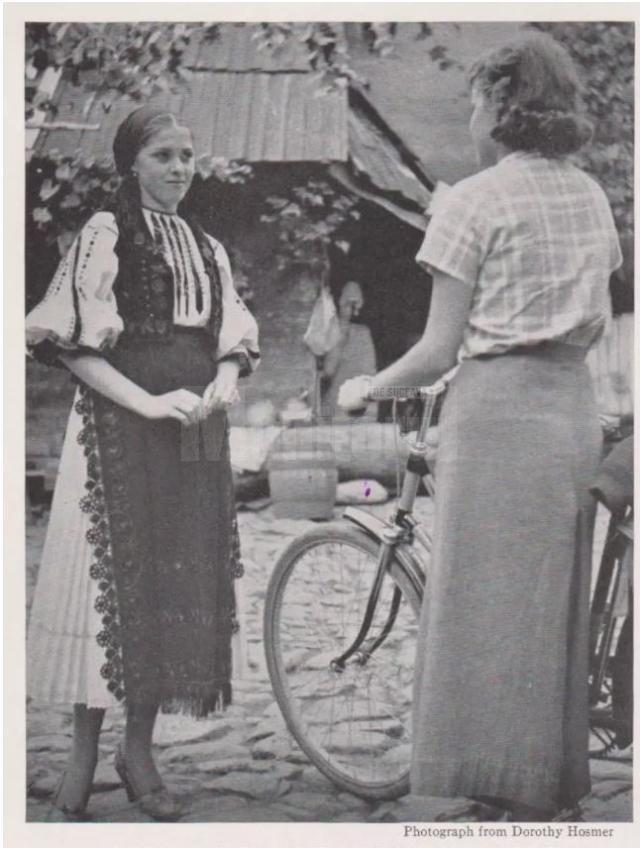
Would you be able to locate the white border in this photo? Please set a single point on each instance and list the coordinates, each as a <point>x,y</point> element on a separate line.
<point>19,833</point>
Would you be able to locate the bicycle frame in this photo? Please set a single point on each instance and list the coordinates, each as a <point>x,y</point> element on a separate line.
<point>403,528</point>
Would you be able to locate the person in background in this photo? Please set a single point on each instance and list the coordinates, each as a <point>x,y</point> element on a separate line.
<point>521,255</point>
<point>353,354</point>
<point>135,601</point>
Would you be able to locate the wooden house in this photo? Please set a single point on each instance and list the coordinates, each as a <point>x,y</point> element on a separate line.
<point>386,144</point>
<point>275,113</point>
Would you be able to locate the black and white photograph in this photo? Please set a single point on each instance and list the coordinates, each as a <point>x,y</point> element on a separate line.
<point>325,331</point>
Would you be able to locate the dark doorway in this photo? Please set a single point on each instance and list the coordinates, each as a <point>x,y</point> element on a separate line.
<point>397,290</point>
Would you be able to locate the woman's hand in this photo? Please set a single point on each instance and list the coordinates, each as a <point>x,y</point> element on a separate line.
<point>354,394</point>
<point>223,391</point>
<point>182,405</point>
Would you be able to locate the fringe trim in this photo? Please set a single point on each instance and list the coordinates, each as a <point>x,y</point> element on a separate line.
<point>198,704</point>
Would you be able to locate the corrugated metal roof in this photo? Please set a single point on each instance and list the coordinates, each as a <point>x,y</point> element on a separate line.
<point>258,117</point>
<point>373,155</point>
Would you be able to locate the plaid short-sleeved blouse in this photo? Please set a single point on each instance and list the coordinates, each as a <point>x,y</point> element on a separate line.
<point>535,238</point>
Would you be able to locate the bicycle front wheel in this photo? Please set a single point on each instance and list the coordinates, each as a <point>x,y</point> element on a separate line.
<point>354,724</point>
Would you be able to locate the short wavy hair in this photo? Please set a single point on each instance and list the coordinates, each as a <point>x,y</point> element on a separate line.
<point>536,87</point>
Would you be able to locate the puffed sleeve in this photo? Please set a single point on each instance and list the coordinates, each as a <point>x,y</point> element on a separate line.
<point>457,238</point>
<point>238,331</point>
<point>79,310</point>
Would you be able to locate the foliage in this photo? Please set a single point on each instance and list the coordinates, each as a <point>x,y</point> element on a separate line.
<point>605,54</point>
<point>140,59</point>
<point>135,60</point>
<point>324,46</point>
<point>308,221</point>
<point>380,38</point>
<point>62,192</point>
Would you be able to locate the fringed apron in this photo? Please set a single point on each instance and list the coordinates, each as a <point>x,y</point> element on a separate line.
<point>161,501</point>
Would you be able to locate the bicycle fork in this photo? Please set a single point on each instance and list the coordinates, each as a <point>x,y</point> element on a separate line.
<point>358,649</point>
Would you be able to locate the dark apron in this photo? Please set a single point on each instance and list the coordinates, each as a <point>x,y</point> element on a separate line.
<point>165,538</point>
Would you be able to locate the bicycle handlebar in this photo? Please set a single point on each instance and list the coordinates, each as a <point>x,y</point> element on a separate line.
<point>425,393</point>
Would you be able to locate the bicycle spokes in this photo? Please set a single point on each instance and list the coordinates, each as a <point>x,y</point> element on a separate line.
<point>344,634</point>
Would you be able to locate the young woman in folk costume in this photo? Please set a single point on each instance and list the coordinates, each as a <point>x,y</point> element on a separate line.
<point>135,601</point>
<point>521,254</point>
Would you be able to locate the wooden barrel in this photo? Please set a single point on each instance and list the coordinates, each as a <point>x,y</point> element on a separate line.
<point>303,483</point>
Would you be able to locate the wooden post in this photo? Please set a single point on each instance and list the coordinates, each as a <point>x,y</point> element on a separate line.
<point>317,389</point>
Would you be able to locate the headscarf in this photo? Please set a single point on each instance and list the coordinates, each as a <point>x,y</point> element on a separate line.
<point>133,133</point>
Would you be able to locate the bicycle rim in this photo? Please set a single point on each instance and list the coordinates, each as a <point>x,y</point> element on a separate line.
<point>354,725</point>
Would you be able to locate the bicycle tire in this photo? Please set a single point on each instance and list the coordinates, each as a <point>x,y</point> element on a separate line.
<point>345,765</point>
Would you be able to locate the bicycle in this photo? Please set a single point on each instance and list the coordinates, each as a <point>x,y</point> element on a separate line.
<point>341,626</point>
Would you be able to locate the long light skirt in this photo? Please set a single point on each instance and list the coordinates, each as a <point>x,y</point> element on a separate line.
<point>500,705</point>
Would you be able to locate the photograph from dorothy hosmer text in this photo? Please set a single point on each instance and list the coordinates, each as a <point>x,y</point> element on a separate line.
<point>329,420</point>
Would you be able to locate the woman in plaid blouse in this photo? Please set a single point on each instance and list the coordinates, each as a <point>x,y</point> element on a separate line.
<point>521,254</point>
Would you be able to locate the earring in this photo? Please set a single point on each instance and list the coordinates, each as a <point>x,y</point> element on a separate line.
<point>134,173</point>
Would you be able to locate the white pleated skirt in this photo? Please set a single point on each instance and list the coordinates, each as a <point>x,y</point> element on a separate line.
<point>63,656</point>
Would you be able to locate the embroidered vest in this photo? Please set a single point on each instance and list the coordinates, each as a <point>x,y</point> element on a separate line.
<point>144,286</point>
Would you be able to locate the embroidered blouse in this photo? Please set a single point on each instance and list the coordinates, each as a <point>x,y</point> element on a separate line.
<point>82,287</point>
<point>536,241</point>
<point>192,298</point>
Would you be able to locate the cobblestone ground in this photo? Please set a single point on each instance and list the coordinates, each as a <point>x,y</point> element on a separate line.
<point>242,766</point>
